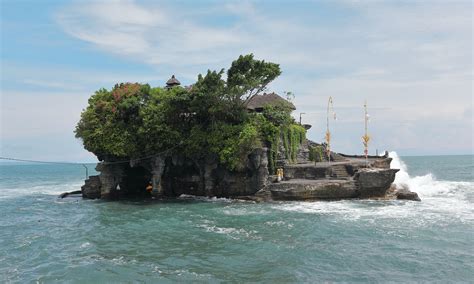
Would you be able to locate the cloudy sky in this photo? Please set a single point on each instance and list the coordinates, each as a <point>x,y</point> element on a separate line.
<point>411,61</point>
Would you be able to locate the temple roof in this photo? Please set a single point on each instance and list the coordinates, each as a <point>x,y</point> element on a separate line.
<point>172,82</point>
<point>272,99</point>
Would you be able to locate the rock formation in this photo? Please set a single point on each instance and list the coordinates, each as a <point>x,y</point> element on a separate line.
<point>402,192</point>
<point>172,176</point>
<point>344,177</point>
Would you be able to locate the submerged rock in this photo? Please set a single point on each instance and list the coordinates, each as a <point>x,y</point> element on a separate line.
<point>408,196</point>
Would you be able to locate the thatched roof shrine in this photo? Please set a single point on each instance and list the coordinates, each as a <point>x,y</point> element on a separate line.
<point>257,103</point>
<point>172,82</point>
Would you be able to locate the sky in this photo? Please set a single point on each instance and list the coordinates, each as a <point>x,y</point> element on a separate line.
<point>412,61</point>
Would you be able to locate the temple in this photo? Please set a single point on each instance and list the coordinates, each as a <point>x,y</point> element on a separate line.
<point>258,102</point>
<point>306,173</point>
<point>172,82</point>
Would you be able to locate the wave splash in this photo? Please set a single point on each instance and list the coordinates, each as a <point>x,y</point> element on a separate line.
<point>427,185</point>
<point>47,189</point>
<point>442,202</point>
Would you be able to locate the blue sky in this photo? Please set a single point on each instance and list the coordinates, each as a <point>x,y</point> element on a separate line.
<point>411,60</point>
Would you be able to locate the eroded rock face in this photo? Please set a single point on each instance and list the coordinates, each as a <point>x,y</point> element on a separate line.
<point>91,188</point>
<point>312,190</point>
<point>384,164</point>
<point>374,182</point>
<point>110,176</point>
<point>347,177</point>
<point>209,178</point>
<point>156,167</point>
<point>173,176</point>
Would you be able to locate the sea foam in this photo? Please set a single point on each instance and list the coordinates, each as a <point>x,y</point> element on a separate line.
<point>442,201</point>
<point>40,189</point>
<point>426,185</point>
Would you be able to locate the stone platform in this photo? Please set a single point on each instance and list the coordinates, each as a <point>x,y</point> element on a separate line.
<point>303,189</point>
<point>348,178</point>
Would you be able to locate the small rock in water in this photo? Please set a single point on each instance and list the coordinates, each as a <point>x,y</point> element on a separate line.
<point>410,195</point>
<point>402,192</point>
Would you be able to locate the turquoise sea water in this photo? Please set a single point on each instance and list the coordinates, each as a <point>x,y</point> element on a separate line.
<point>44,239</point>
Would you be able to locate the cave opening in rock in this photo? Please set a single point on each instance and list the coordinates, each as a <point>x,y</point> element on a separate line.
<point>135,181</point>
<point>181,179</point>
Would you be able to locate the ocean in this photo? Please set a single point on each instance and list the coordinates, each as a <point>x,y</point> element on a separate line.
<point>44,239</point>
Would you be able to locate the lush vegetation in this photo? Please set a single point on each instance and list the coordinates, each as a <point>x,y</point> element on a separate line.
<point>135,120</point>
<point>316,153</point>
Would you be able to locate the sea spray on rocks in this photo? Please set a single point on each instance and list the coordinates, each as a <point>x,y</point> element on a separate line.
<point>425,185</point>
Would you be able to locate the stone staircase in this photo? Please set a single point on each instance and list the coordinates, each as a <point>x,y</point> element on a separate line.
<point>307,171</point>
<point>339,171</point>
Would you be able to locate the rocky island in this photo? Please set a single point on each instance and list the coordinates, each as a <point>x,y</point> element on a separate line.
<point>219,137</point>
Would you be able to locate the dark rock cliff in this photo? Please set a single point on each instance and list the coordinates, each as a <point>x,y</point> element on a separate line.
<point>173,175</point>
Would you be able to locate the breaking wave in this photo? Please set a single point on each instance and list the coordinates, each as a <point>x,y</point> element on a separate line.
<point>42,189</point>
<point>426,185</point>
<point>442,201</point>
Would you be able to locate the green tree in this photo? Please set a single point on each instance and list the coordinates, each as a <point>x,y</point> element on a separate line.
<point>210,118</point>
<point>248,77</point>
<point>164,119</point>
<point>109,125</point>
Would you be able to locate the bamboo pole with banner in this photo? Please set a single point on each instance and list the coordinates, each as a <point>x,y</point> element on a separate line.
<point>328,133</point>
<point>366,137</point>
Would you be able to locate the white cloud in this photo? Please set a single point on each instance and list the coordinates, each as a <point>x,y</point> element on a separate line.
<point>115,26</point>
<point>151,34</point>
<point>414,60</point>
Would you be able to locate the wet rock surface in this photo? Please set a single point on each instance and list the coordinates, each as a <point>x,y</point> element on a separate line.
<point>402,192</point>
<point>408,196</point>
<point>374,182</point>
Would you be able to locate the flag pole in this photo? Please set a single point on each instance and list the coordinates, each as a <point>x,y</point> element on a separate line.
<point>328,133</point>
<point>366,137</point>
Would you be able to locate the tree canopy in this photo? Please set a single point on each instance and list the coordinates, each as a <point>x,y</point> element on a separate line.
<point>248,77</point>
<point>134,120</point>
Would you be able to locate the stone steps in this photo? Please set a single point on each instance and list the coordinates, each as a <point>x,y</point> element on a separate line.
<point>308,171</point>
<point>339,171</point>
